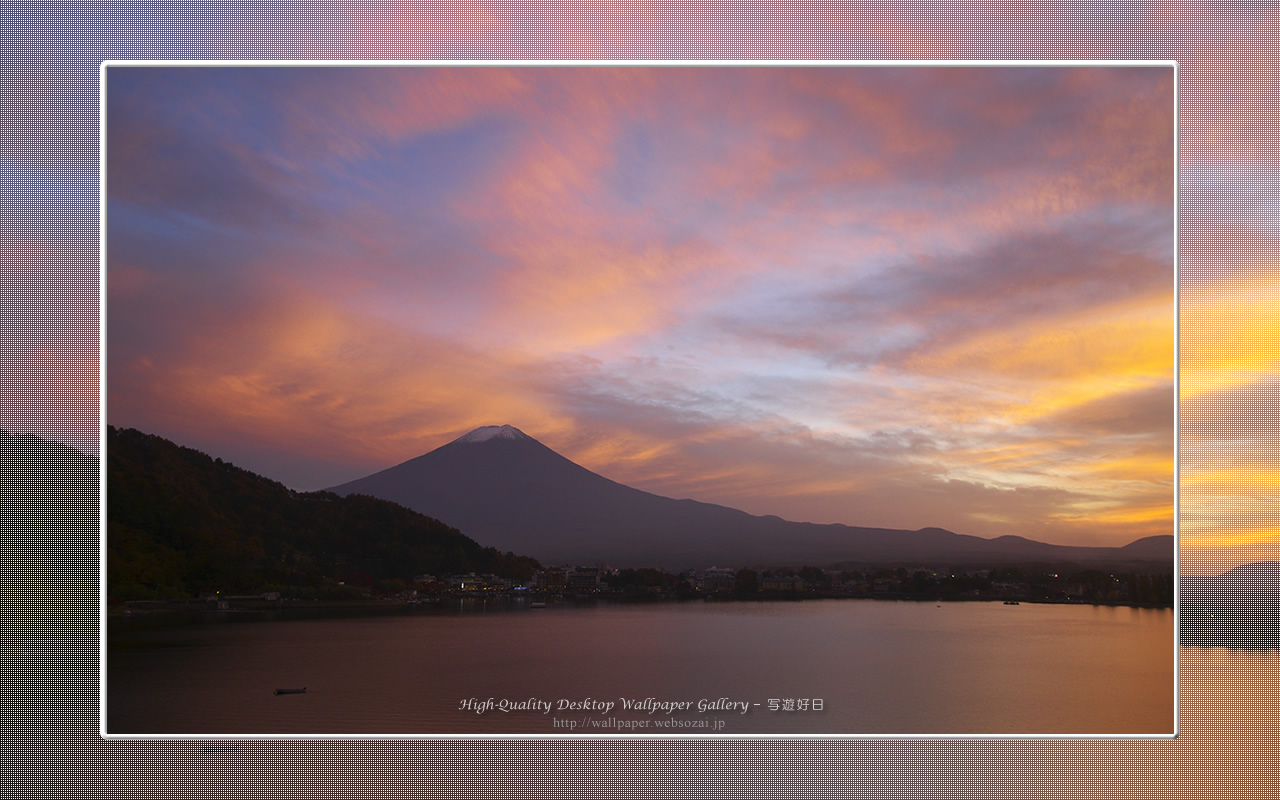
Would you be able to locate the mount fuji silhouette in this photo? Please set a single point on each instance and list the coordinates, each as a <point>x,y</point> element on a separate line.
<point>507,490</point>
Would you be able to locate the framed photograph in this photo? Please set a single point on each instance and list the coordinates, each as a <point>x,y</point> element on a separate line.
<point>640,400</point>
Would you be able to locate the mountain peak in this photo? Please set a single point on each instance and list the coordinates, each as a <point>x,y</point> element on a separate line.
<point>519,495</point>
<point>488,432</point>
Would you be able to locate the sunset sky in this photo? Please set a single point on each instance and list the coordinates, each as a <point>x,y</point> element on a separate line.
<point>888,296</point>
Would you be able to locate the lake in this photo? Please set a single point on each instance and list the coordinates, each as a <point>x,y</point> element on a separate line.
<point>811,667</point>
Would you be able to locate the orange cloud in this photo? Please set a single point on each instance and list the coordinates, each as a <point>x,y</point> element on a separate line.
<point>291,369</point>
<point>1064,360</point>
<point>641,273</point>
<point>1231,333</point>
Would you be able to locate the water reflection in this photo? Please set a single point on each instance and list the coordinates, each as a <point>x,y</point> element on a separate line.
<point>877,667</point>
<point>1227,747</point>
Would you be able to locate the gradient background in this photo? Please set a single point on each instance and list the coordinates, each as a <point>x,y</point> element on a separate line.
<point>1228,209</point>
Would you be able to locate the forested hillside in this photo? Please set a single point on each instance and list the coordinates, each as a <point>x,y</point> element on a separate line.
<point>180,523</point>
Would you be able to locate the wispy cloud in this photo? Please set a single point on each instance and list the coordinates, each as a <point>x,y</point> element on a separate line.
<point>886,296</point>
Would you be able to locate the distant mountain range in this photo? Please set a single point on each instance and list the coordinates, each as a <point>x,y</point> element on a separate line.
<point>179,520</point>
<point>511,492</point>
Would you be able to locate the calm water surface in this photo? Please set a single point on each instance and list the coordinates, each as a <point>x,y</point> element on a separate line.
<point>878,667</point>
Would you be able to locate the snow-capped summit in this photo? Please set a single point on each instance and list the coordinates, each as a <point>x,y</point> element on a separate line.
<point>516,494</point>
<point>494,432</point>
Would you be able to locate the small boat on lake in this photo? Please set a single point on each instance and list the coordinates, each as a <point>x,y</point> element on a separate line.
<point>303,690</point>
<point>537,604</point>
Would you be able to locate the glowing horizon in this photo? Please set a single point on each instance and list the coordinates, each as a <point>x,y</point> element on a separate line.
<point>891,296</point>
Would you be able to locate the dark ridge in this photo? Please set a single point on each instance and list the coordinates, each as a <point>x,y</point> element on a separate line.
<point>181,523</point>
<point>49,516</point>
<point>1239,609</point>
<point>50,491</point>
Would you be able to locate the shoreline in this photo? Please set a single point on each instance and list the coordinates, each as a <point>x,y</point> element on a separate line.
<point>454,603</point>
